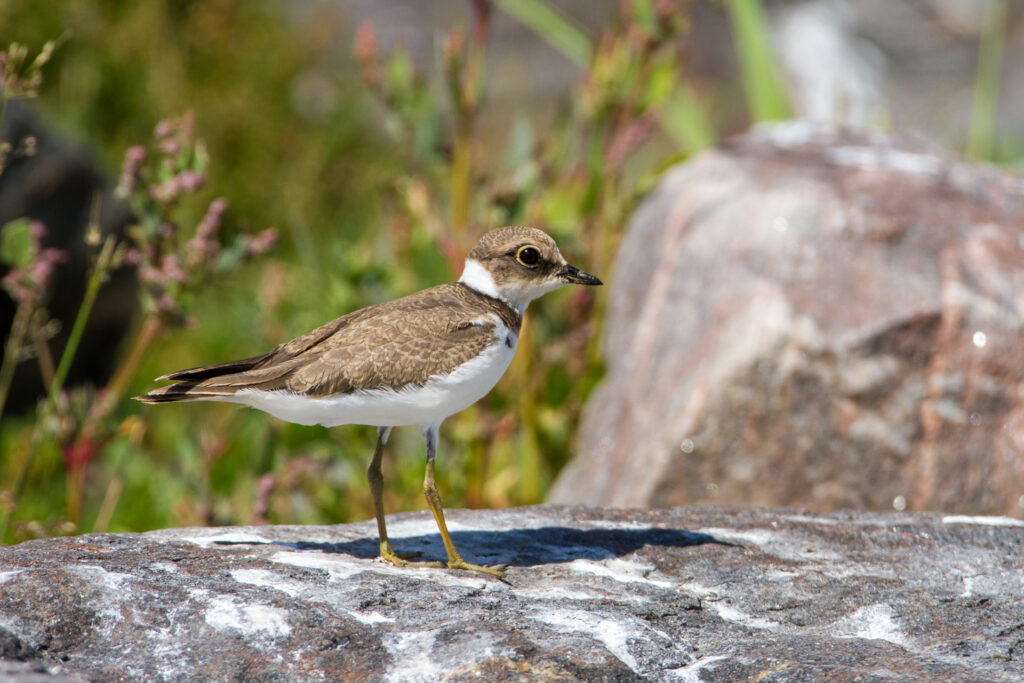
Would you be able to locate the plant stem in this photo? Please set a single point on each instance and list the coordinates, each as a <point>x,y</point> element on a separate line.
<point>75,492</point>
<point>987,79</point>
<point>683,118</point>
<point>461,174</point>
<point>42,348</point>
<point>110,499</point>
<point>766,96</point>
<point>558,31</point>
<point>12,350</point>
<point>529,454</point>
<point>151,329</point>
<point>92,288</point>
<point>465,91</point>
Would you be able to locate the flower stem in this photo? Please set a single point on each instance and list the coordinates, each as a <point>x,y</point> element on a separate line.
<point>462,174</point>
<point>12,350</point>
<point>92,288</point>
<point>42,348</point>
<point>151,328</point>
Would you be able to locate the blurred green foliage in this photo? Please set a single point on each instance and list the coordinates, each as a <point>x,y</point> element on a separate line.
<point>370,172</point>
<point>985,103</point>
<point>762,81</point>
<point>291,145</point>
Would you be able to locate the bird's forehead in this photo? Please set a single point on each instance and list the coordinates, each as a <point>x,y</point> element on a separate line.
<point>503,240</point>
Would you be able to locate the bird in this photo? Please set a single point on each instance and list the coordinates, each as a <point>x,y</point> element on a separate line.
<point>412,361</point>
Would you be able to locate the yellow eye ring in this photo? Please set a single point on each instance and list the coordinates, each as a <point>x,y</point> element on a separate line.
<point>528,256</point>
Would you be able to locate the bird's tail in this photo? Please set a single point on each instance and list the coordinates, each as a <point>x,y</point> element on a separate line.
<point>201,384</point>
<point>183,391</point>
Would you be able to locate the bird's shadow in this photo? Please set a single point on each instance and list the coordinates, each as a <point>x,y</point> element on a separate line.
<point>518,547</point>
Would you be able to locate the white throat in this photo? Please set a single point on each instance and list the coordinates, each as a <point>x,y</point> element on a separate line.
<point>475,276</point>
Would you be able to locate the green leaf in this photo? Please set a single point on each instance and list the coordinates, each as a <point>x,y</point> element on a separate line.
<point>660,83</point>
<point>552,27</point>
<point>643,14</point>
<point>16,244</point>
<point>231,256</point>
<point>987,82</point>
<point>521,143</point>
<point>761,81</point>
<point>400,73</point>
<point>683,118</point>
<point>559,207</point>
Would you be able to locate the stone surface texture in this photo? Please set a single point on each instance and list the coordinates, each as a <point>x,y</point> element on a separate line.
<point>691,594</point>
<point>816,318</point>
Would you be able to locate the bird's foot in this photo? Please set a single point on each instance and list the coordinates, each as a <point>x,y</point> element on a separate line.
<point>387,554</point>
<point>391,557</point>
<point>497,570</point>
<point>408,555</point>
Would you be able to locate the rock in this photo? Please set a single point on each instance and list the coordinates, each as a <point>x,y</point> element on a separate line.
<point>711,594</point>
<point>813,318</point>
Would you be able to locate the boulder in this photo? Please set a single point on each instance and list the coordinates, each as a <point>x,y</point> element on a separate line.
<point>712,594</point>
<point>819,318</point>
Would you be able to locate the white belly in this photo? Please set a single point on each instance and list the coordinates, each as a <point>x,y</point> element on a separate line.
<point>441,396</point>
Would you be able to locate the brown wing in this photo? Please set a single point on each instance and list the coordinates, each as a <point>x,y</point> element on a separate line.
<point>415,353</point>
<point>388,345</point>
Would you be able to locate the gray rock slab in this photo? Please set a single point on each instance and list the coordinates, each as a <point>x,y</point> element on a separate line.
<point>690,594</point>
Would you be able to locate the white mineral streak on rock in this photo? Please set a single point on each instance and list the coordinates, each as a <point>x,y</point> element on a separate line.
<point>4,576</point>
<point>712,600</point>
<point>874,622</point>
<point>338,567</point>
<point>227,537</point>
<point>374,617</point>
<point>625,571</point>
<point>691,672</point>
<point>986,521</point>
<point>267,579</point>
<point>227,614</point>
<point>410,654</point>
<point>613,635</point>
<point>560,593</point>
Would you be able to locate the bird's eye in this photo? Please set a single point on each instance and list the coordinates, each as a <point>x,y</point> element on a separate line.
<point>528,256</point>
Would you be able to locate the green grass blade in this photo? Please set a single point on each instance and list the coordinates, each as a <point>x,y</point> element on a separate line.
<point>766,96</point>
<point>987,81</point>
<point>99,275</point>
<point>558,31</point>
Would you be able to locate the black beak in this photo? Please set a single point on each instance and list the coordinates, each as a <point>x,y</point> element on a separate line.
<point>574,274</point>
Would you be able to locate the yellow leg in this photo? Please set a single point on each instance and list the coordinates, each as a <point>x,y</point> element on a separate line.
<point>434,501</point>
<point>376,479</point>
